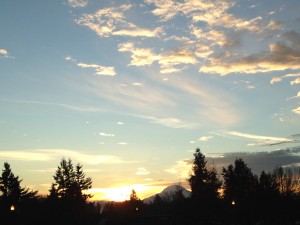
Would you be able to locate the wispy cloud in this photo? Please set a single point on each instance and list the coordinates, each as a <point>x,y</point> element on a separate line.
<point>78,3</point>
<point>122,143</point>
<point>211,12</point>
<point>139,56</point>
<point>99,70</point>
<point>171,122</point>
<point>264,140</point>
<point>112,22</point>
<point>205,138</point>
<point>281,56</point>
<point>142,171</point>
<point>279,79</point>
<point>296,110</point>
<point>106,135</point>
<point>56,154</point>
<point>63,105</point>
<point>170,62</point>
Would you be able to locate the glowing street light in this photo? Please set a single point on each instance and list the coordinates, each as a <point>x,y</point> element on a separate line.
<point>233,202</point>
<point>12,208</point>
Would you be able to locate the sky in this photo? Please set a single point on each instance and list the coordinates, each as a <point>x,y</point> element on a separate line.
<point>129,89</point>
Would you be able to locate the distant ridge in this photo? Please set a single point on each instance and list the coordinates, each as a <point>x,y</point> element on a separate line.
<point>168,193</point>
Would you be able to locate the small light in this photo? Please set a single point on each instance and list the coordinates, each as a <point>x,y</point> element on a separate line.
<point>233,202</point>
<point>12,208</point>
<point>136,209</point>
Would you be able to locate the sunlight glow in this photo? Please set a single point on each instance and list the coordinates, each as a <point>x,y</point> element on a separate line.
<point>117,194</point>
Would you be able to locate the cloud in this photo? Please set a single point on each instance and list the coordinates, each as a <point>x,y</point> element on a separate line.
<point>264,140</point>
<point>280,57</point>
<point>99,70</point>
<point>78,3</point>
<point>142,171</point>
<point>63,105</point>
<point>122,143</point>
<point>279,79</point>
<point>56,154</point>
<point>275,25</point>
<point>258,161</point>
<point>210,12</point>
<point>3,52</point>
<point>181,169</point>
<point>166,10</point>
<point>26,155</point>
<point>106,135</point>
<point>168,61</point>
<point>139,56</point>
<point>296,81</point>
<point>138,32</point>
<point>111,22</point>
<point>171,122</point>
<point>205,138</point>
<point>296,110</point>
<point>137,84</point>
<point>167,103</point>
<point>69,58</point>
<point>216,47</point>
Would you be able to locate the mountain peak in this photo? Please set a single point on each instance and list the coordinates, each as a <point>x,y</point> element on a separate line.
<point>168,193</point>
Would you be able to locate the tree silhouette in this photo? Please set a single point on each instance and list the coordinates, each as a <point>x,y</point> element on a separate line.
<point>133,196</point>
<point>239,182</point>
<point>70,182</point>
<point>204,182</point>
<point>10,187</point>
<point>288,180</point>
<point>267,184</point>
<point>16,202</point>
<point>67,202</point>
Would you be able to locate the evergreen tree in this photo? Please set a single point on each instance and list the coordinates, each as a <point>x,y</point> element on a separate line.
<point>204,182</point>
<point>70,182</point>
<point>10,187</point>
<point>133,196</point>
<point>267,184</point>
<point>239,182</point>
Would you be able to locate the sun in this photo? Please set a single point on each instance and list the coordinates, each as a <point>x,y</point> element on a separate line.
<point>116,194</point>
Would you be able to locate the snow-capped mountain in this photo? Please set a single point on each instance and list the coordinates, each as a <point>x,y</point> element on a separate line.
<point>168,193</point>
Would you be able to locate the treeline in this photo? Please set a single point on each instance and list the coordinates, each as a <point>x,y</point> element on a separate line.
<point>235,196</point>
<point>66,203</point>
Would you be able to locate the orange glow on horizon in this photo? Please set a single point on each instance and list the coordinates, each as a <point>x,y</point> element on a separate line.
<point>120,194</point>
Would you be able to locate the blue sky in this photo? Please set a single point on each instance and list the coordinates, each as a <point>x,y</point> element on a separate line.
<point>129,89</point>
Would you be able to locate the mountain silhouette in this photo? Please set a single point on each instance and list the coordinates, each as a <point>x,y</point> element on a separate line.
<point>168,193</point>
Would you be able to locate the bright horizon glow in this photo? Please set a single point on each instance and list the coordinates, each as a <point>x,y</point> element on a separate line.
<point>118,194</point>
